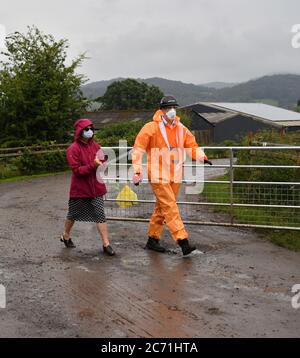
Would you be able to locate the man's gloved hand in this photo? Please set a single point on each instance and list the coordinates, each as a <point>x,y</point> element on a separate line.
<point>137,178</point>
<point>206,161</point>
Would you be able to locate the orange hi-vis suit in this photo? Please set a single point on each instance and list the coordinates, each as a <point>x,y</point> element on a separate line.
<point>164,175</point>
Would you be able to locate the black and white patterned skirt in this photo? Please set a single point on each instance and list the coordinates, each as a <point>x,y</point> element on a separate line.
<point>87,209</point>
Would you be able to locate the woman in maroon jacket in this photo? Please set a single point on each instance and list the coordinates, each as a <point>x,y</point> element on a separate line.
<point>86,192</point>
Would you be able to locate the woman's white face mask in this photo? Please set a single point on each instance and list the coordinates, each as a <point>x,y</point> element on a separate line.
<point>171,114</point>
<point>88,134</point>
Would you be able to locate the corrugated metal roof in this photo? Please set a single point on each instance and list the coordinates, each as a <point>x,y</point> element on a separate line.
<point>288,123</point>
<point>102,118</point>
<point>261,110</point>
<point>217,117</point>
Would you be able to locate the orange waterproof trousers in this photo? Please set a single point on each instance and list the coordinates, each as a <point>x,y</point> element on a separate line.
<point>166,212</point>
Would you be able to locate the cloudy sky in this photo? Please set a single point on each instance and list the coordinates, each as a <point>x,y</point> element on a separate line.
<point>194,41</point>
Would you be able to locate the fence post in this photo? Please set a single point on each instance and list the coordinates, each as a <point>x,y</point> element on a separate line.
<point>231,186</point>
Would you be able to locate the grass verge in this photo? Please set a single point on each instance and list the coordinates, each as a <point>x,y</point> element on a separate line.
<point>26,177</point>
<point>289,239</point>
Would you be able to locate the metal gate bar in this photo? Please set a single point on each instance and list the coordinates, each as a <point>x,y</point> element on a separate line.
<point>267,205</point>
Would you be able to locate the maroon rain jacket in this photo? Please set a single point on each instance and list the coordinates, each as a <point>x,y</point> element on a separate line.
<point>81,156</point>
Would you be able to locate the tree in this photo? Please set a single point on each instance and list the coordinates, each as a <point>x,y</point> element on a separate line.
<point>40,95</point>
<point>297,107</point>
<point>131,94</point>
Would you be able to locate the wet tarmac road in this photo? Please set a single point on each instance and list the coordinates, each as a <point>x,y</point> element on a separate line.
<point>240,287</point>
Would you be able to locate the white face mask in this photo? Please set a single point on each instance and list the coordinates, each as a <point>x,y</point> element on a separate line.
<point>171,114</point>
<point>88,134</point>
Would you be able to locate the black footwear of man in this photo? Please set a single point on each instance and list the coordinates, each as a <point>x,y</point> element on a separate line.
<point>154,244</point>
<point>108,250</point>
<point>185,246</point>
<point>68,243</point>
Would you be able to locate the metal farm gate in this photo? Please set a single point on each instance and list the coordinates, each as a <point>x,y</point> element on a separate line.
<point>245,187</point>
<point>226,200</point>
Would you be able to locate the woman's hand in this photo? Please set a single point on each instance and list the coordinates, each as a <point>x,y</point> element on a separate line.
<point>97,162</point>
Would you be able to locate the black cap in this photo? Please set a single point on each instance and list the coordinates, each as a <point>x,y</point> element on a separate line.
<point>168,101</point>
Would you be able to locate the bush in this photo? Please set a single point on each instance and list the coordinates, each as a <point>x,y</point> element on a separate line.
<point>11,142</point>
<point>31,163</point>
<point>110,135</point>
<point>221,153</point>
<point>9,170</point>
<point>277,194</point>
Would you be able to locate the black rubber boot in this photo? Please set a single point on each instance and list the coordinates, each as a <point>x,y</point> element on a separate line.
<point>154,244</point>
<point>185,246</point>
<point>108,250</point>
<point>68,243</point>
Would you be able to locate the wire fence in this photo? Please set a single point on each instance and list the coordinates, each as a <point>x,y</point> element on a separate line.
<point>225,200</point>
<point>249,187</point>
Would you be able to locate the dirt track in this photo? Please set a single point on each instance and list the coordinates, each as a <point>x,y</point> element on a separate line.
<point>240,287</point>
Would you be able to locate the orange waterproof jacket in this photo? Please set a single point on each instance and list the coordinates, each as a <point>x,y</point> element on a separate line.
<point>166,147</point>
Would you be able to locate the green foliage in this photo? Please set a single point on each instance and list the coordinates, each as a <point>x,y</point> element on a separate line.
<point>184,118</point>
<point>297,108</point>
<point>30,163</point>
<point>274,157</point>
<point>13,142</point>
<point>273,137</point>
<point>39,95</point>
<point>110,135</point>
<point>264,194</point>
<point>221,153</point>
<point>8,169</point>
<point>269,101</point>
<point>276,194</point>
<point>220,193</point>
<point>130,94</point>
<point>288,239</point>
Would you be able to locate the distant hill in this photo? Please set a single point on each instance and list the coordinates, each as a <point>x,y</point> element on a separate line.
<point>185,93</point>
<point>218,85</point>
<point>97,89</point>
<point>281,90</point>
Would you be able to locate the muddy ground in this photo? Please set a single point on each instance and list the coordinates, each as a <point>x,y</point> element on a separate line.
<point>240,287</point>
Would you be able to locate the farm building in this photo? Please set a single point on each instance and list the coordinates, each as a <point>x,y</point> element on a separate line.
<point>216,122</point>
<point>104,118</point>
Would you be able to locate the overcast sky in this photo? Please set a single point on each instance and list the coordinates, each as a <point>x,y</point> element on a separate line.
<point>194,41</point>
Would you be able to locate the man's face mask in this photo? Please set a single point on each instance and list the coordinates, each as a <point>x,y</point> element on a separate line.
<point>171,114</point>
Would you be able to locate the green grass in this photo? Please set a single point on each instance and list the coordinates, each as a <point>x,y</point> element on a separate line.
<point>26,177</point>
<point>289,239</point>
<point>8,170</point>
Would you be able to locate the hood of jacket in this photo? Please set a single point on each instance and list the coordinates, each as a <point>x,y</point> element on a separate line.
<point>79,126</point>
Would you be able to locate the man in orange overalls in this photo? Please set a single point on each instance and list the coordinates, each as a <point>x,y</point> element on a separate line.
<point>165,140</point>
